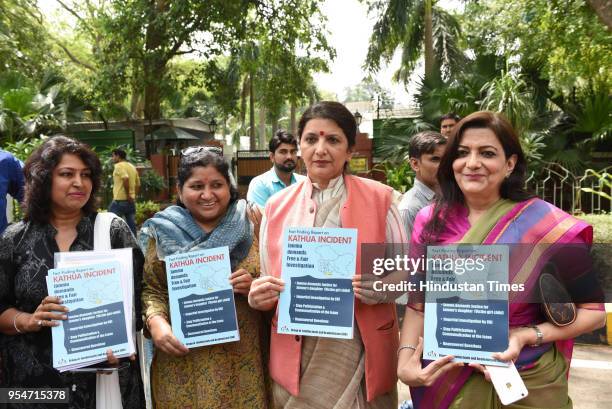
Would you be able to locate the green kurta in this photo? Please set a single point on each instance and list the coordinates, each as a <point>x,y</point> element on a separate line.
<point>231,375</point>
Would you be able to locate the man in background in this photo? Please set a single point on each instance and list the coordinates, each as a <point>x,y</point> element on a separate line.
<point>283,155</point>
<point>11,182</point>
<point>425,150</point>
<point>447,123</point>
<point>126,183</point>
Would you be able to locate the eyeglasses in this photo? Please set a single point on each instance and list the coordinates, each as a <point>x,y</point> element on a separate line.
<point>192,150</point>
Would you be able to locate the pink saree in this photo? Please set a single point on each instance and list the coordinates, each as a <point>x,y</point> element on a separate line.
<point>530,222</point>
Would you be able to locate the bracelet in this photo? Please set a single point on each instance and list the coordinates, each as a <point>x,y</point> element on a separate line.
<point>407,346</point>
<point>539,335</point>
<point>15,322</point>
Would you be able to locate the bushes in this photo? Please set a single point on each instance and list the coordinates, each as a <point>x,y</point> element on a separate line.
<point>145,210</point>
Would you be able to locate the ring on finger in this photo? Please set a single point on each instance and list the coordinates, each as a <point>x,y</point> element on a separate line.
<point>40,323</point>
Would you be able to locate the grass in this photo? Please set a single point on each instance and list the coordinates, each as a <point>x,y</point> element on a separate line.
<point>602,226</point>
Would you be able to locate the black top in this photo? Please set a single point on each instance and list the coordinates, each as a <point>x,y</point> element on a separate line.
<point>26,253</point>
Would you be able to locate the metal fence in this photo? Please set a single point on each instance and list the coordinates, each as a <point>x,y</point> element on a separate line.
<point>575,193</point>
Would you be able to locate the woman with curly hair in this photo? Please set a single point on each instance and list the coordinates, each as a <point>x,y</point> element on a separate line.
<point>62,178</point>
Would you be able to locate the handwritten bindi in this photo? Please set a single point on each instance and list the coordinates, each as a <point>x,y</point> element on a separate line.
<point>321,133</point>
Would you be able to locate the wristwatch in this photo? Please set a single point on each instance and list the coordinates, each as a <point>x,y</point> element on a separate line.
<point>539,335</point>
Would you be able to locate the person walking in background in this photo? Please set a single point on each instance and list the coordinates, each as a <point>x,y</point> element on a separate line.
<point>425,150</point>
<point>447,123</point>
<point>11,182</point>
<point>283,155</point>
<point>126,183</point>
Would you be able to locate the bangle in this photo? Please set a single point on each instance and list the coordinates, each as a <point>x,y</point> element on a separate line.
<point>407,346</point>
<point>15,322</point>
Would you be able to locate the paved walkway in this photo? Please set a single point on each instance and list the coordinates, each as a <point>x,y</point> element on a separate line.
<point>590,381</point>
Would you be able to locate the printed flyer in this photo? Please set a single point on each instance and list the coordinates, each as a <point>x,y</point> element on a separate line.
<point>466,309</point>
<point>318,265</point>
<point>96,318</point>
<point>202,308</point>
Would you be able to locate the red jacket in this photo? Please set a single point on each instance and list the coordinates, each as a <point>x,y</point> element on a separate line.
<point>366,209</point>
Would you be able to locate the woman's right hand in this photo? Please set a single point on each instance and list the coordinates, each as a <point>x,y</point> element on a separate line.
<point>164,339</point>
<point>412,373</point>
<point>47,314</point>
<point>265,292</point>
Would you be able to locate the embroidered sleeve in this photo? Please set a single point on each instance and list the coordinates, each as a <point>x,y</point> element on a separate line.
<point>155,285</point>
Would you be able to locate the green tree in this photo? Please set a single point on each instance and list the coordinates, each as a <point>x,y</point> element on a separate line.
<point>418,27</point>
<point>24,40</point>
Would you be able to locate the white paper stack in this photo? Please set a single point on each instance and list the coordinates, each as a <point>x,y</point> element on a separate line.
<point>101,307</point>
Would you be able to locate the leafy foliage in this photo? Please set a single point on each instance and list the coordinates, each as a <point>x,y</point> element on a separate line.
<point>403,24</point>
<point>151,185</point>
<point>400,175</point>
<point>145,210</point>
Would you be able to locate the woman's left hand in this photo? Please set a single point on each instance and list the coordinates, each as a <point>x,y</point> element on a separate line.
<point>363,286</point>
<point>519,337</point>
<point>241,281</point>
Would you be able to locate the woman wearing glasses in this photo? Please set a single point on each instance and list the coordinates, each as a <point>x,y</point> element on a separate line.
<point>313,372</point>
<point>208,215</point>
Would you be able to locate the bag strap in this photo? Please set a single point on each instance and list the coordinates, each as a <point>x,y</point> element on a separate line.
<point>102,240</point>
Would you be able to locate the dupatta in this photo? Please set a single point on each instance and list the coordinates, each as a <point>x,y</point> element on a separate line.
<point>175,231</point>
<point>534,222</point>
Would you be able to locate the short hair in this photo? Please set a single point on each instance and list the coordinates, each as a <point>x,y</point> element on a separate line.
<point>38,172</point>
<point>512,188</point>
<point>279,138</point>
<point>203,159</point>
<point>119,152</point>
<point>424,143</point>
<point>334,111</point>
<point>450,115</point>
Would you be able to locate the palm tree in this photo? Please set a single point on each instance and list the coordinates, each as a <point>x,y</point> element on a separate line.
<point>418,27</point>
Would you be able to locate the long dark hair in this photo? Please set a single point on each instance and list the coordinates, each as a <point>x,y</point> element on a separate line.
<point>203,159</point>
<point>38,172</point>
<point>512,188</point>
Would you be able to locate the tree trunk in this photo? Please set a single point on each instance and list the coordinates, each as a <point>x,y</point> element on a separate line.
<point>274,126</point>
<point>603,9</point>
<point>429,54</point>
<point>136,104</point>
<point>262,127</point>
<point>293,123</point>
<point>153,93</point>
<point>252,139</point>
<point>154,63</point>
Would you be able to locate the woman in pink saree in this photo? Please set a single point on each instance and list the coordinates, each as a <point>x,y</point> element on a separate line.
<point>483,201</point>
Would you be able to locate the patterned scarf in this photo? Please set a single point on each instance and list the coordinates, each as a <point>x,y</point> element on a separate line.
<point>175,231</point>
